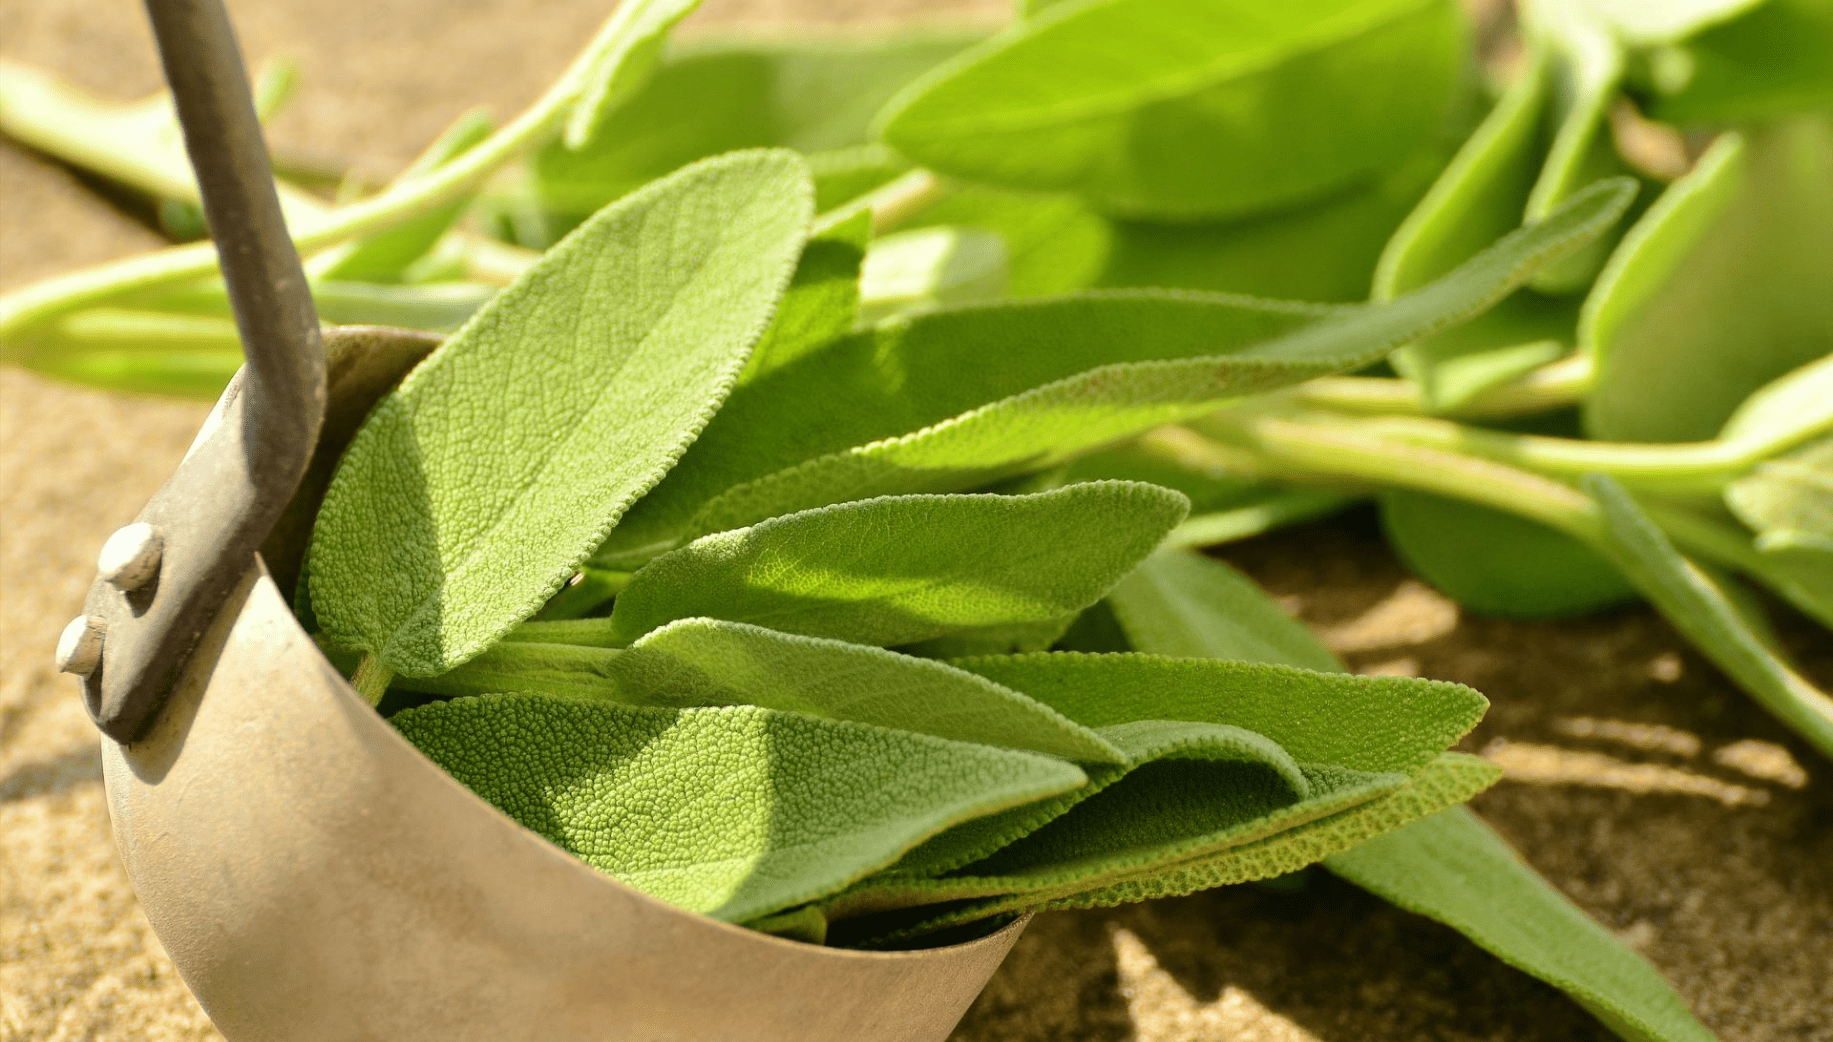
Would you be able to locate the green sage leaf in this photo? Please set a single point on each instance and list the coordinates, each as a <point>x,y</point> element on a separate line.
<point>733,812</point>
<point>1497,563</point>
<point>1789,500</point>
<point>1768,64</point>
<point>1451,867</point>
<point>713,96</point>
<point>956,399</point>
<point>896,570</point>
<point>479,486</point>
<point>928,268</point>
<point>386,256</point>
<point>1721,287</point>
<point>1690,600</point>
<point>1190,606</point>
<point>1532,927</point>
<point>1164,108</point>
<point>628,54</point>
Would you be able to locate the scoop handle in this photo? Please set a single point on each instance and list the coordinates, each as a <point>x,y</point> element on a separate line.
<point>211,517</point>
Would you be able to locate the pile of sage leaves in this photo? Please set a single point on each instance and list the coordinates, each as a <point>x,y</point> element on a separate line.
<point>798,522</point>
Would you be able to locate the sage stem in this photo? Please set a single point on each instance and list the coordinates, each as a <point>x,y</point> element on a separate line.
<point>371,679</point>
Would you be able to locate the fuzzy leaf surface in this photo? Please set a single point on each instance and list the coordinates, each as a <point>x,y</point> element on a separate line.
<point>708,662</point>
<point>902,569</point>
<point>734,812</point>
<point>956,399</point>
<point>1163,812</point>
<point>1589,963</point>
<point>1172,109</point>
<point>476,488</point>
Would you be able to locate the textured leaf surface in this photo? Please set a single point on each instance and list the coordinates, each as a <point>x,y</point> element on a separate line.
<point>708,662</point>
<point>1165,811</point>
<point>1720,288</point>
<point>1190,606</point>
<point>1789,500</point>
<point>1349,808</point>
<point>475,489</point>
<point>1698,608</point>
<point>1506,908</point>
<point>822,301</point>
<point>734,812</point>
<point>1170,108</point>
<point>896,570</point>
<point>954,400</point>
<point>1451,867</point>
<point>1375,724</point>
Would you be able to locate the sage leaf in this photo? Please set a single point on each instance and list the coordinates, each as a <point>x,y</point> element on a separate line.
<point>1141,743</point>
<point>1721,287</point>
<point>478,487</point>
<point>1789,500</point>
<point>1374,724</point>
<point>929,268</point>
<point>630,50</point>
<point>733,812</point>
<point>1452,868</point>
<point>1768,64</point>
<point>1380,726</point>
<point>957,399</point>
<point>705,662</point>
<point>1479,196</point>
<point>1190,606</point>
<point>1612,976</point>
<point>1498,563</point>
<point>1690,600</point>
<point>822,301</point>
<point>1055,241</point>
<point>1168,809</point>
<point>1586,67</point>
<point>1346,808</point>
<point>715,95</point>
<point>1168,109</point>
<point>1325,249</point>
<point>387,256</point>
<point>1788,410</point>
<point>896,570</point>
<point>1448,780</point>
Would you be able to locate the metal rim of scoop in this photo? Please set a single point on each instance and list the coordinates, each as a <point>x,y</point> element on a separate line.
<point>312,875</point>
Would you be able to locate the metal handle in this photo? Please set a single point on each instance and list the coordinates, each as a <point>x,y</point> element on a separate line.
<point>162,579</point>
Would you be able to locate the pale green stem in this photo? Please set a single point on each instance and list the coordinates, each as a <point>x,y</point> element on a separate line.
<point>1687,467</point>
<point>1321,452</point>
<point>371,679</point>
<point>410,198</point>
<point>1554,386</point>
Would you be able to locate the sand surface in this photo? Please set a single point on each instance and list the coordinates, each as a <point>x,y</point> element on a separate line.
<point>1639,781</point>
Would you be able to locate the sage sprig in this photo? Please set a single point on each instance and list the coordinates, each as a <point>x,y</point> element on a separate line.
<point>831,574</point>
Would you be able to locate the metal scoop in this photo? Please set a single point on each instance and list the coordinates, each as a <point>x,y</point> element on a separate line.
<point>312,875</point>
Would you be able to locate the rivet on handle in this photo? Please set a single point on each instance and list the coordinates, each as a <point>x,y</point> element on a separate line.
<point>130,558</point>
<point>79,648</point>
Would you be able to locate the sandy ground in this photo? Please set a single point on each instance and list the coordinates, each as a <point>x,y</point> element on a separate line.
<point>1640,782</point>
